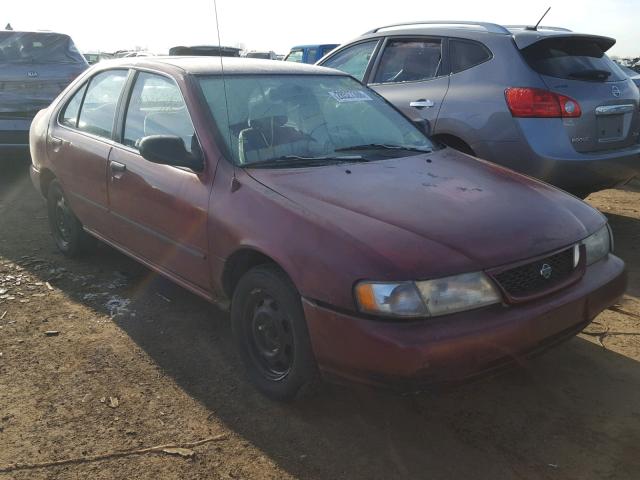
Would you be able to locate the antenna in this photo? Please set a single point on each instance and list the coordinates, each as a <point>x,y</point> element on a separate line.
<point>224,83</point>
<point>541,18</point>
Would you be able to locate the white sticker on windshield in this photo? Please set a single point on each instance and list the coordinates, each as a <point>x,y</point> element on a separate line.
<point>343,96</point>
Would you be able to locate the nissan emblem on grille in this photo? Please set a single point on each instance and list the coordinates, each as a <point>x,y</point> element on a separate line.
<point>546,271</point>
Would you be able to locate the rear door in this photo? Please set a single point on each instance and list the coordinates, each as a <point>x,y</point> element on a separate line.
<point>413,75</point>
<point>577,66</point>
<point>79,142</point>
<point>159,211</point>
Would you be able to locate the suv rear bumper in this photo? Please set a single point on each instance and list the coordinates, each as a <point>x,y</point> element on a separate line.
<point>457,347</point>
<point>578,173</point>
<point>14,135</point>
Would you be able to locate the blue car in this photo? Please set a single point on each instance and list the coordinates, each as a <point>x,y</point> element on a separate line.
<point>309,53</point>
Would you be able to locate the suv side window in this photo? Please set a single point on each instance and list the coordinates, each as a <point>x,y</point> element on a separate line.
<point>98,109</point>
<point>410,60</point>
<point>465,54</point>
<point>156,107</point>
<point>69,116</point>
<point>354,59</point>
<point>294,56</point>
<point>312,55</point>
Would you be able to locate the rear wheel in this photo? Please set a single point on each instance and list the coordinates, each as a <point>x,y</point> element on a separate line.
<point>65,227</point>
<point>271,334</point>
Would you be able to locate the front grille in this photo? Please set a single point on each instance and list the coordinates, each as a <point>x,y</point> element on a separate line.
<point>530,279</point>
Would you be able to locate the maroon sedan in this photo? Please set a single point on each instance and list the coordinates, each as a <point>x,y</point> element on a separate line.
<point>346,240</point>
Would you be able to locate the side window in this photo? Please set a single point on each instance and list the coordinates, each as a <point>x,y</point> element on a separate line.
<point>156,107</point>
<point>353,60</point>
<point>410,61</point>
<point>295,56</point>
<point>99,107</point>
<point>466,54</point>
<point>69,116</point>
<point>312,55</point>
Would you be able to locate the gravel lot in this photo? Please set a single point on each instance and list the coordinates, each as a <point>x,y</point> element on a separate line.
<point>99,355</point>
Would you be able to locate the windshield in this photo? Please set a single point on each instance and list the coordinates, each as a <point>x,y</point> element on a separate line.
<point>38,47</point>
<point>307,117</point>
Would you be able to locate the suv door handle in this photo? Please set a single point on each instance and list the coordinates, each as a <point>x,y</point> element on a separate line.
<point>117,169</point>
<point>422,103</point>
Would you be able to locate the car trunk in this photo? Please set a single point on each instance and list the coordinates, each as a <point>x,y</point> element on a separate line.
<point>34,69</point>
<point>577,66</point>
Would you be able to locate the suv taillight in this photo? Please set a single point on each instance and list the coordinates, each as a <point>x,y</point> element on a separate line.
<point>538,103</point>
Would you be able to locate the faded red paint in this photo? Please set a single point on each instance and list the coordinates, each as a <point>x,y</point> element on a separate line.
<point>413,218</point>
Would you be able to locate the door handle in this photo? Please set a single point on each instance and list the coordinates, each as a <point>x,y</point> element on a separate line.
<point>422,103</point>
<point>58,143</point>
<point>117,169</point>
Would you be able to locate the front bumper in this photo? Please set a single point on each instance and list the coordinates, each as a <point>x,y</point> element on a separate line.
<point>460,346</point>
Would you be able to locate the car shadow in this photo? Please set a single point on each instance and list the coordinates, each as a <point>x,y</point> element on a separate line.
<point>575,409</point>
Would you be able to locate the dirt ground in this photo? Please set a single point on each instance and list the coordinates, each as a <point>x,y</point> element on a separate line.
<point>138,362</point>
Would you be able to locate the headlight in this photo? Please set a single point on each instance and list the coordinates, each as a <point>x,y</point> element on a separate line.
<point>390,299</point>
<point>429,298</point>
<point>598,245</point>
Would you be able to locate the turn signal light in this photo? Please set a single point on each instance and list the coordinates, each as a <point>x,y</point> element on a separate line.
<point>538,103</point>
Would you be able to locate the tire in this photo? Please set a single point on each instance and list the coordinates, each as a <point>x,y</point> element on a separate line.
<point>66,229</point>
<point>270,332</point>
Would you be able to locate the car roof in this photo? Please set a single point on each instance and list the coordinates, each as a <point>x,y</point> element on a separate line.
<point>213,65</point>
<point>523,35</point>
<point>312,45</point>
<point>39,32</point>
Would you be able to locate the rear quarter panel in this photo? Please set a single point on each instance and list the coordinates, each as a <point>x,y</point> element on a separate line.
<point>475,109</point>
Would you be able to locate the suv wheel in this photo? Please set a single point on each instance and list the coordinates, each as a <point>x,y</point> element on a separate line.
<point>271,334</point>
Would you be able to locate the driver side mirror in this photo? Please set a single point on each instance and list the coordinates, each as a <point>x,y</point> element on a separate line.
<point>424,126</point>
<point>170,150</point>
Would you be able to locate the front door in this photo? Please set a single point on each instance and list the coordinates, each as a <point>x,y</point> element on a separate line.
<point>412,75</point>
<point>159,211</point>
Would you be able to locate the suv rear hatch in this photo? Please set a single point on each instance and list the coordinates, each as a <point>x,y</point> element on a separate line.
<point>34,68</point>
<point>577,66</point>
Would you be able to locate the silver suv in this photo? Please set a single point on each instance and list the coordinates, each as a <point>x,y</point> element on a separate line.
<point>546,102</point>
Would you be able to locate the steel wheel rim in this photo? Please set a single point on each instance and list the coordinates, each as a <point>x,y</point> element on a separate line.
<point>271,343</point>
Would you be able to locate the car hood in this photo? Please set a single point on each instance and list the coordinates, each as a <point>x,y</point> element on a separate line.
<point>474,213</point>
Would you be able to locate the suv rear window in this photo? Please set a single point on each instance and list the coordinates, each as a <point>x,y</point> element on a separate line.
<point>38,47</point>
<point>572,58</point>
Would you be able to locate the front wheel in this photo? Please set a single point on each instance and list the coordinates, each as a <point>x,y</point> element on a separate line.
<point>65,227</point>
<point>271,334</point>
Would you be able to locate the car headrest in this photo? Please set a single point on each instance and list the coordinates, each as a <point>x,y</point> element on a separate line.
<point>264,111</point>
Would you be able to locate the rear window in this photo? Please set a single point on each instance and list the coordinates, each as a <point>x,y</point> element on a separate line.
<point>37,47</point>
<point>572,59</point>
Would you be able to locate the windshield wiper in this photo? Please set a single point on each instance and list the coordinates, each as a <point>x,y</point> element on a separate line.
<point>383,146</point>
<point>299,160</point>
<point>594,74</point>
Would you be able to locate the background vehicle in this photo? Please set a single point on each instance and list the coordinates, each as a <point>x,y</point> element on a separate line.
<point>548,103</point>
<point>34,68</point>
<point>632,74</point>
<point>205,51</point>
<point>96,57</point>
<point>453,268</point>
<point>309,53</point>
<point>271,55</point>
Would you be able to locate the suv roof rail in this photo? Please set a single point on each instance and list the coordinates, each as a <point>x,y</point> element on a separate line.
<point>541,27</point>
<point>489,27</point>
